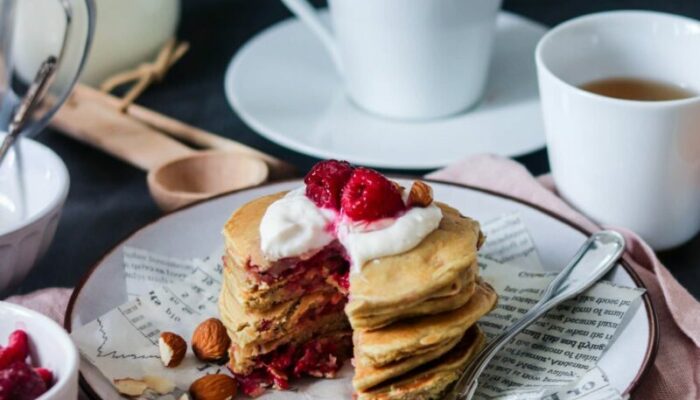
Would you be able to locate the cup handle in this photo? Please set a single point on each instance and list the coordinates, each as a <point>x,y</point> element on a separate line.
<point>77,39</point>
<point>308,15</point>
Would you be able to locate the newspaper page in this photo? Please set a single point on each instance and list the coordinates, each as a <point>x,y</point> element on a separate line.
<point>557,349</point>
<point>144,270</point>
<point>123,342</point>
<point>508,240</point>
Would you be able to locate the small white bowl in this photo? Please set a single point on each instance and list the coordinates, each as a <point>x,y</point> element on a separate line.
<point>33,187</point>
<point>49,346</point>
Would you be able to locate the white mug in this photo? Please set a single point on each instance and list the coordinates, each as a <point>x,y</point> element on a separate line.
<point>628,163</point>
<point>410,60</point>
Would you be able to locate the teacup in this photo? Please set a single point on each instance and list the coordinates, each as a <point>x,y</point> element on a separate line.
<point>422,60</point>
<point>628,163</point>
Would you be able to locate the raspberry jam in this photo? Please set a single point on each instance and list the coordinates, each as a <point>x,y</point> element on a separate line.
<point>306,274</point>
<point>317,357</point>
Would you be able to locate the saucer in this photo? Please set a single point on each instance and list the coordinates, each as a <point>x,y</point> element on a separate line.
<point>283,84</point>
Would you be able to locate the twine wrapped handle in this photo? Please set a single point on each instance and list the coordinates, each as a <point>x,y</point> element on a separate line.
<point>146,73</point>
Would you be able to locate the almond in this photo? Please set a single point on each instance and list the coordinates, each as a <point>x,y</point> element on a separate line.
<point>130,387</point>
<point>210,342</point>
<point>213,387</point>
<point>159,384</point>
<point>172,349</point>
<point>421,195</point>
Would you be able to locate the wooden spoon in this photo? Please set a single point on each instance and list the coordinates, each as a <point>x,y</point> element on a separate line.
<point>177,174</point>
<point>206,173</point>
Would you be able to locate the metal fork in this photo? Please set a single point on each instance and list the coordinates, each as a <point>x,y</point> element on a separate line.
<point>592,261</point>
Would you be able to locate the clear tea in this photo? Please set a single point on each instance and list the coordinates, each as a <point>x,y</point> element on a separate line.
<point>637,89</point>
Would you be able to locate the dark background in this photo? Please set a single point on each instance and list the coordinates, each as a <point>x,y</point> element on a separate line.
<point>109,199</point>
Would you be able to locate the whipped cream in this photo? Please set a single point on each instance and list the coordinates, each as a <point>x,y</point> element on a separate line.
<point>294,227</point>
<point>369,241</point>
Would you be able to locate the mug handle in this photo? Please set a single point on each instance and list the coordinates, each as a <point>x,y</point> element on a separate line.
<point>64,80</point>
<point>308,15</point>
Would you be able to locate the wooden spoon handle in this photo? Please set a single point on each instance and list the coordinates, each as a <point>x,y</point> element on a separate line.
<point>188,133</point>
<point>104,127</point>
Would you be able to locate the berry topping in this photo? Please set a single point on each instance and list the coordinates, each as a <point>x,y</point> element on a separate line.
<point>45,374</point>
<point>20,382</point>
<point>325,182</point>
<point>369,196</point>
<point>17,348</point>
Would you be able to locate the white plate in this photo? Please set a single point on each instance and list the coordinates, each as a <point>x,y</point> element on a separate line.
<point>195,231</point>
<point>283,85</point>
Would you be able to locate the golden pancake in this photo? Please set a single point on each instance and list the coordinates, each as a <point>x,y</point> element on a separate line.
<point>430,381</point>
<point>367,376</point>
<point>403,281</point>
<point>260,296</point>
<point>242,232</point>
<point>242,360</point>
<point>452,297</point>
<point>246,327</point>
<point>414,337</point>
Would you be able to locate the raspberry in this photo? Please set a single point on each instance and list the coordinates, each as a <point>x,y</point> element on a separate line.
<point>325,182</point>
<point>45,374</point>
<point>369,196</point>
<point>19,382</point>
<point>17,348</point>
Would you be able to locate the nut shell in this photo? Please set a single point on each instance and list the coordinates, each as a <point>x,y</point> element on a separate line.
<point>210,342</point>
<point>214,387</point>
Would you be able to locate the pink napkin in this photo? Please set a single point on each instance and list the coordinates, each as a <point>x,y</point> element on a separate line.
<point>676,370</point>
<point>51,302</point>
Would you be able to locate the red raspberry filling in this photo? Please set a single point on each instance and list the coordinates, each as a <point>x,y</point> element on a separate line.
<point>336,304</point>
<point>317,357</point>
<point>302,276</point>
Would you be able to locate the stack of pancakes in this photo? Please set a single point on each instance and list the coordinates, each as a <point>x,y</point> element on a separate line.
<point>413,315</point>
<point>267,306</point>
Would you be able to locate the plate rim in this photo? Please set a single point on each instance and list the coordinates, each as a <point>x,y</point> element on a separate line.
<point>652,343</point>
<point>304,148</point>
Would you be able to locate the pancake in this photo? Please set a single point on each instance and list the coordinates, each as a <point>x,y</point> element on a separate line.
<point>413,337</point>
<point>430,381</point>
<point>292,322</point>
<point>394,284</point>
<point>320,356</point>
<point>454,296</point>
<point>242,232</point>
<point>367,376</point>
<point>255,295</point>
<point>247,327</point>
